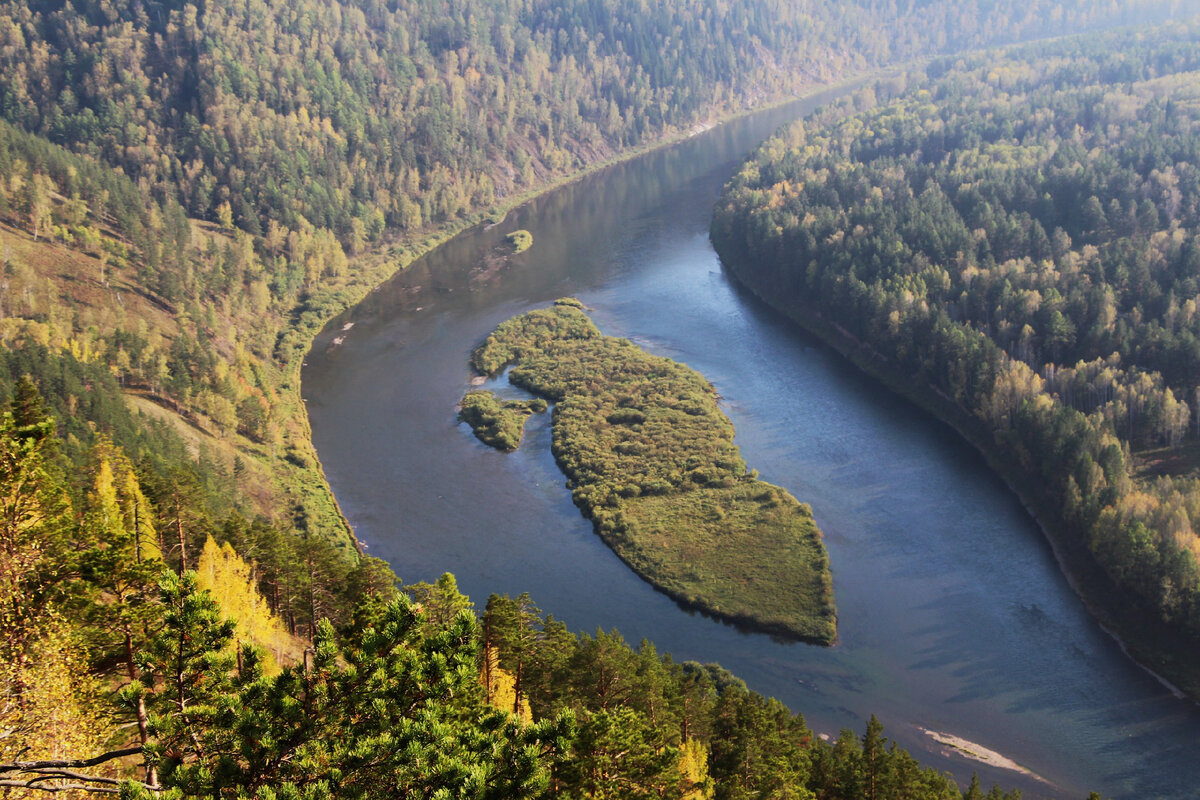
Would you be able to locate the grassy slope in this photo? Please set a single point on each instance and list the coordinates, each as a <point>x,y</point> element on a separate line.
<point>651,461</point>
<point>67,282</point>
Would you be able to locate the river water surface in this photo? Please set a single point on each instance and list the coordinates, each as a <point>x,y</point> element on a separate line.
<point>953,615</point>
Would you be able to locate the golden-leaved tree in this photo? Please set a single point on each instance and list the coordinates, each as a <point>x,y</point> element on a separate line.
<point>230,581</point>
<point>48,705</point>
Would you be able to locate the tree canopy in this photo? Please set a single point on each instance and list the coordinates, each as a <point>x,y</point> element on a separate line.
<point>1016,240</point>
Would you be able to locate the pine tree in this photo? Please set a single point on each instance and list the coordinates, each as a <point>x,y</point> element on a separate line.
<point>394,711</point>
<point>442,602</point>
<point>120,566</point>
<point>510,627</point>
<point>874,759</point>
<point>619,755</point>
<point>186,683</point>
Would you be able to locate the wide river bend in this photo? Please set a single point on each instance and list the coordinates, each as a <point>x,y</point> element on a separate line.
<point>953,615</point>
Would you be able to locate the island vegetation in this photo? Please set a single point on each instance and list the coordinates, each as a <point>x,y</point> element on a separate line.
<point>1014,244</point>
<point>520,240</point>
<point>650,460</point>
<point>498,423</point>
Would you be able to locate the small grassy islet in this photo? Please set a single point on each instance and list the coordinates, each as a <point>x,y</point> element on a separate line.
<point>498,423</point>
<point>650,459</point>
<point>520,240</point>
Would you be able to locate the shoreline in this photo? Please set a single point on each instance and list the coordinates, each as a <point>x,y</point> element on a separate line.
<point>1085,578</point>
<point>661,528</point>
<point>393,256</point>
<point>964,748</point>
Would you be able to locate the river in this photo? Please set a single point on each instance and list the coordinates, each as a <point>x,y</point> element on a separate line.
<point>953,614</point>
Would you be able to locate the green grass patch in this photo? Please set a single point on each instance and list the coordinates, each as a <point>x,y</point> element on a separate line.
<point>499,424</point>
<point>749,552</point>
<point>650,459</point>
<point>520,240</point>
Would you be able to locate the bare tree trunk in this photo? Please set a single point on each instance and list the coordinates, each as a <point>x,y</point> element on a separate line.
<point>143,718</point>
<point>137,533</point>
<point>487,656</point>
<point>182,544</point>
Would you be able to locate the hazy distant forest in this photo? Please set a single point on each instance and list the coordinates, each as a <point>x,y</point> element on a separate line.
<point>188,192</point>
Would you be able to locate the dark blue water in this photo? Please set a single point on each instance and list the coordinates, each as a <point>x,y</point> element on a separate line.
<point>954,616</point>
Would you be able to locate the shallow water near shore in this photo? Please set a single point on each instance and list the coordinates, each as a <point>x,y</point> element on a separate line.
<point>953,615</point>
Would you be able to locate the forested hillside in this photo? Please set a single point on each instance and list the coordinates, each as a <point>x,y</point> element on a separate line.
<point>192,190</point>
<point>188,192</point>
<point>1016,244</point>
<point>353,117</point>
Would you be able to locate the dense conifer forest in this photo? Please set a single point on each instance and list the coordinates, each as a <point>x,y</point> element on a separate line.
<point>189,191</point>
<point>1015,242</point>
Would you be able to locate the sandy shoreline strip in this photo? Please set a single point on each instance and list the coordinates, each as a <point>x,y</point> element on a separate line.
<point>977,752</point>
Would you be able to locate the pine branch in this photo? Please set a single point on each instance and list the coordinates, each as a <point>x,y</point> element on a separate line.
<point>35,774</point>
<point>24,766</point>
<point>63,787</point>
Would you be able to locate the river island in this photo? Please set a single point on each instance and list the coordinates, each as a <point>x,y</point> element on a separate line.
<point>650,460</point>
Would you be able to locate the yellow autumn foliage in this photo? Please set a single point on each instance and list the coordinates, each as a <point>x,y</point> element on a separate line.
<point>229,579</point>
<point>693,766</point>
<point>501,686</point>
<point>120,508</point>
<point>48,706</point>
<point>139,519</point>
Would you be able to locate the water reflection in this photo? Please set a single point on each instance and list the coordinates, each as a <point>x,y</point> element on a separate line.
<point>954,616</point>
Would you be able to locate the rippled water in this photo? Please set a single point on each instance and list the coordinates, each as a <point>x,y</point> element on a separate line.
<point>954,616</point>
